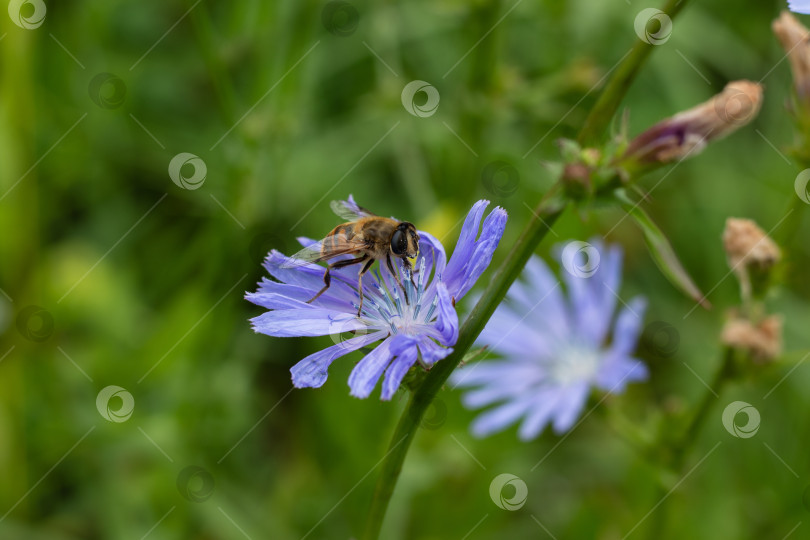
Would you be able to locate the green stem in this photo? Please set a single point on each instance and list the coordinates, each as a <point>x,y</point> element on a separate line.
<point>689,435</point>
<point>546,213</point>
<point>608,103</point>
<point>796,210</point>
<point>544,216</point>
<point>674,460</point>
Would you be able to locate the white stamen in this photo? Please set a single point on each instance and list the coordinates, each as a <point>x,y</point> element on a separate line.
<point>574,363</point>
<point>384,306</point>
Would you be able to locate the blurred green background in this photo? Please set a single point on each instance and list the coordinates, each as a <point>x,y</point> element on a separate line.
<point>138,283</point>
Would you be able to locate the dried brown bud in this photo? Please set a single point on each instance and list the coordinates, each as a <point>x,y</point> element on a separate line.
<point>795,39</point>
<point>748,245</point>
<point>688,132</point>
<point>763,341</point>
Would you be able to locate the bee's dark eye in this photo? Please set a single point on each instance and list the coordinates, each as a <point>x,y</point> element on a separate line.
<point>399,242</point>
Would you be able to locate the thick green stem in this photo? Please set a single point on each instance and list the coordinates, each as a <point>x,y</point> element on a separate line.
<point>544,216</point>
<point>392,466</point>
<point>611,97</point>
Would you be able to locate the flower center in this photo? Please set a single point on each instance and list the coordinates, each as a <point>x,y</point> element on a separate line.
<point>574,363</point>
<point>387,307</point>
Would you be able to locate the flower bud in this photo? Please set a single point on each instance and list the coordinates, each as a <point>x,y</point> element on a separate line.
<point>748,245</point>
<point>576,179</point>
<point>688,132</point>
<point>763,341</point>
<point>795,39</point>
<point>751,255</point>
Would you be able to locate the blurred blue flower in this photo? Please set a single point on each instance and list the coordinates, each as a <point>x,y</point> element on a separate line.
<point>424,330</point>
<point>799,6</point>
<point>555,348</point>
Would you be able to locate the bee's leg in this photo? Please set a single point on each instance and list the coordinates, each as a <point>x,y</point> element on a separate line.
<point>360,283</point>
<point>396,277</point>
<point>327,278</point>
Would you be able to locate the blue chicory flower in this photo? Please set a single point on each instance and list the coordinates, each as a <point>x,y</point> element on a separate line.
<point>799,6</point>
<point>423,330</point>
<point>554,348</point>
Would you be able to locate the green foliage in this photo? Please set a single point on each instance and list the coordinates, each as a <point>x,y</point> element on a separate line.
<point>660,249</point>
<point>143,281</point>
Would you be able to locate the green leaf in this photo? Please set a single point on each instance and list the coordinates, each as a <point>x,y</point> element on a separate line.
<point>474,354</point>
<point>661,250</point>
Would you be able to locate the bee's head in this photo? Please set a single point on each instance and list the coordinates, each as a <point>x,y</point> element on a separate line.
<point>405,241</point>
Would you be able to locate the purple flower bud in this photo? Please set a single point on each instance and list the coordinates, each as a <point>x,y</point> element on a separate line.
<point>688,132</point>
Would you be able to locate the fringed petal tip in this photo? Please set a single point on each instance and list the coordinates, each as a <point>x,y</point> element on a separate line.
<point>312,371</point>
<point>253,326</point>
<point>494,226</point>
<point>500,212</point>
<point>309,379</point>
<point>474,249</point>
<point>274,260</point>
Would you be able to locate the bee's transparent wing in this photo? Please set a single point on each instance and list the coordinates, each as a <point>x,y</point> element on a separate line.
<point>309,255</point>
<point>314,253</point>
<point>350,210</point>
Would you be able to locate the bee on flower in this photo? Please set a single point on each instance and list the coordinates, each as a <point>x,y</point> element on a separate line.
<point>410,311</point>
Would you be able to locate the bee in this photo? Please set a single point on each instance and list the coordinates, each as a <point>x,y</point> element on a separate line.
<point>368,236</point>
